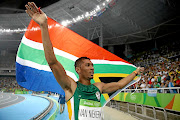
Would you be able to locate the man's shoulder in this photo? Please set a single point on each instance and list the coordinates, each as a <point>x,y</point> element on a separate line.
<point>98,83</point>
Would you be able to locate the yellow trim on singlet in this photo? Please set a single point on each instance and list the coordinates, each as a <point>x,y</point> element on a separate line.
<point>69,109</point>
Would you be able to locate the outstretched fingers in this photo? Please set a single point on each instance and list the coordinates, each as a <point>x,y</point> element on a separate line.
<point>36,13</point>
<point>33,7</point>
<point>36,8</point>
<point>29,11</point>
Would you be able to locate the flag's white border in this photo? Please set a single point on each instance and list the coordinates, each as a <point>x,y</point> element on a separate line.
<point>41,67</point>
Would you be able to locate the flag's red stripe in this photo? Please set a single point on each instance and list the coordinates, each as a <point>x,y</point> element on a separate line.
<point>79,46</point>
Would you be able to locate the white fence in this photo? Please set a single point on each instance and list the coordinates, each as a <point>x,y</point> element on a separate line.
<point>159,90</point>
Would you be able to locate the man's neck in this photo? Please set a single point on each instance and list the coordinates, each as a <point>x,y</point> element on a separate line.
<point>84,81</point>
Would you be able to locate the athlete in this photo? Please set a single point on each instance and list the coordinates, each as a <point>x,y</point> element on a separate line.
<point>61,100</point>
<point>82,97</point>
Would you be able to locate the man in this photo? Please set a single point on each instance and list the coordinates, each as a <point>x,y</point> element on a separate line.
<point>81,95</point>
<point>49,93</point>
<point>61,100</point>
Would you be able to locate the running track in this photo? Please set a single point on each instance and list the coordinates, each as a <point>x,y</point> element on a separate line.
<point>9,99</point>
<point>20,107</point>
<point>25,106</point>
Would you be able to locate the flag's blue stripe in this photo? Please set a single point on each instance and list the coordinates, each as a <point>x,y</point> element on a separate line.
<point>37,80</point>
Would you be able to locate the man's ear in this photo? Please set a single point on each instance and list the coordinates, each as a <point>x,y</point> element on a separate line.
<point>77,69</point>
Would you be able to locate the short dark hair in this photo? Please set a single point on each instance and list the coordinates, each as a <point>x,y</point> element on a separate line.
<point>79,61</point>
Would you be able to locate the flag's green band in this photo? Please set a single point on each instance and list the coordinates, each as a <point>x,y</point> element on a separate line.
<point>38,57</point>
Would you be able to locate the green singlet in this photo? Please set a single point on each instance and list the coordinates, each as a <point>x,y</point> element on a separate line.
<point>87,99</point>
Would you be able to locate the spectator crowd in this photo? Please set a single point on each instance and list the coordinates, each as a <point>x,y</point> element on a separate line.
<point>9,84</point>
<point>160,73</point>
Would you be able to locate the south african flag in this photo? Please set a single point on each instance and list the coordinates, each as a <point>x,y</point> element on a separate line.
<point>33,72</point>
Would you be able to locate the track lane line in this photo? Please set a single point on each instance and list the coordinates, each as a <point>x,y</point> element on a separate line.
<point>10,100</point>
<point>14,103</point>
<point>6,98</point>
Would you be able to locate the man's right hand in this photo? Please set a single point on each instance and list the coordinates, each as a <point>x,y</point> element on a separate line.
<point>36,14</point>
<point>140,70</point>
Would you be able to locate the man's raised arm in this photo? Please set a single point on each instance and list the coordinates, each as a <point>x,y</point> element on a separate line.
<point>40,17</point>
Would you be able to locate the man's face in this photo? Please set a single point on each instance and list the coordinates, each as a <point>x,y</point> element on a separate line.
<point>86,69</point>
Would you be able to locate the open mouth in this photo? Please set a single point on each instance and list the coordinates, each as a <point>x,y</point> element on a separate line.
<point>92,73</point>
